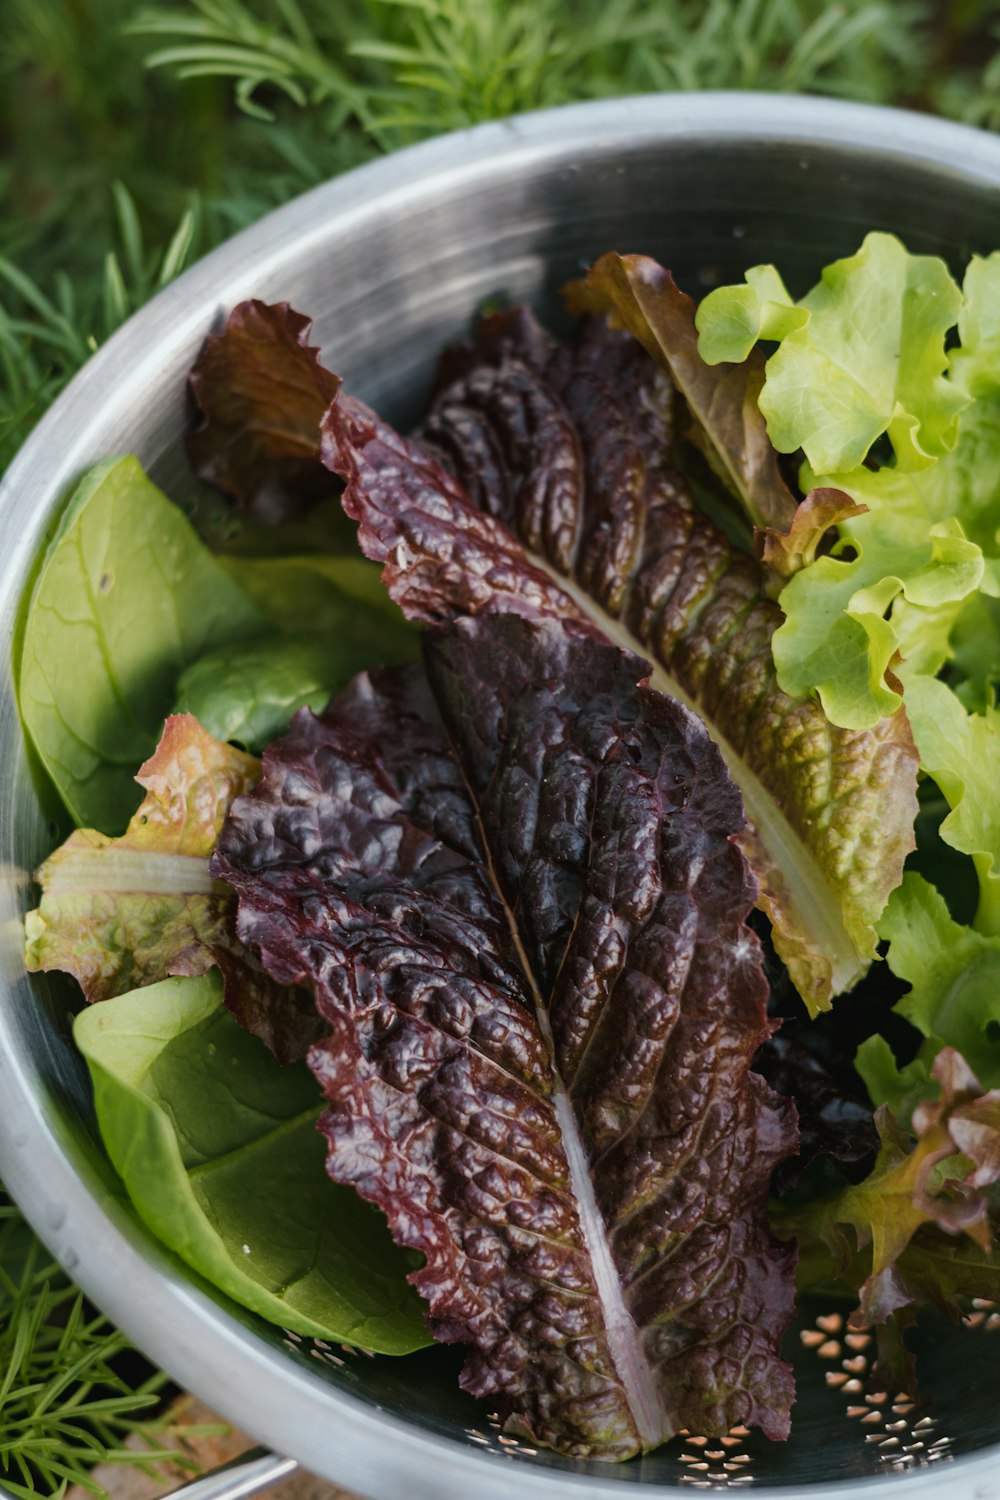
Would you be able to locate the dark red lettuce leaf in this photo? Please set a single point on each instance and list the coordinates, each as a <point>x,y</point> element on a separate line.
<point>513,886</point>
<point>443,558</point>
<point>570,448</point>
<point>836,1120</point>
<point>262,391</point>
<point>637,294</point>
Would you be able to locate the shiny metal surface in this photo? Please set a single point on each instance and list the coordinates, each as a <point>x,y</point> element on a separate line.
<point>250,1474</point>
<point>391,260</point>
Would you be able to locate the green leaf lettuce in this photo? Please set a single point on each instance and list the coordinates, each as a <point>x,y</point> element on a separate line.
<point>904,574</point>
<point>862,354</point>
<point>954,1000</point>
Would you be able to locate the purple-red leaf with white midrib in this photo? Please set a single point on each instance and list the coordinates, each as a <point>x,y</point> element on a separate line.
<point>515,893</point>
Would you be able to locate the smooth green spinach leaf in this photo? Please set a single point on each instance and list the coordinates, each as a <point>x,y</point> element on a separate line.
<point>218,1148</point>
<point>341,597</point>
<point>127,597</point>
<point>248,694</point>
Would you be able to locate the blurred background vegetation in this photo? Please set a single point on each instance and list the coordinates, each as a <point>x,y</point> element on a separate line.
<point>135,137</point>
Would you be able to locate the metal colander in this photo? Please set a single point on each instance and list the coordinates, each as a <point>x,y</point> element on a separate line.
<point>391,261</point>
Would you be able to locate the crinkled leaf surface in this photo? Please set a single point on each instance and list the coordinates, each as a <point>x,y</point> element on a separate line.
<point>218,1147</point>
<point>513,886</point>
<point>937,1181</point>
<point>117,913</point>
<point>127,597</point>
<point>914,563</point>
<point>261,391</point>
<point>836,637</point>
<point>570,449</point>
<point>638,294</point>
<point>867,357</point>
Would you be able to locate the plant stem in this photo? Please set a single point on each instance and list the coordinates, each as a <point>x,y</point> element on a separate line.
<point>988,911</point>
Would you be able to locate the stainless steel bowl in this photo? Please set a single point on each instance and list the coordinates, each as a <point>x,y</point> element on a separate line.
<point>392,260</point>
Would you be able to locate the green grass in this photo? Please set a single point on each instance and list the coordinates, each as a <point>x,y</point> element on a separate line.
<point>135,138</point>
<point>71,1390</point>
<point>138,137</point>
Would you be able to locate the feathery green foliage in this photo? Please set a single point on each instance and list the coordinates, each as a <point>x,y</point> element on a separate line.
<point>65,1404</point>
<point>46,339</point>
<point>403,68</point>
<point>211,112</point>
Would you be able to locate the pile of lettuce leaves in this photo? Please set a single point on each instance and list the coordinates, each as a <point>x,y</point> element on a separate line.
<point>614,911</point>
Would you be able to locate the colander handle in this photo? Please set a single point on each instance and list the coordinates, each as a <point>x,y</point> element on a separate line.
<point>256,1470</point>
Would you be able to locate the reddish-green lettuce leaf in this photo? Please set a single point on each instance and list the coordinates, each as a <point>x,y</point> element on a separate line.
<point>935,1182</point>
<point>513,885</point>
<point>641,296</point>
<point>261,391</point>
<point>117,913</point>
<point>570,450</point>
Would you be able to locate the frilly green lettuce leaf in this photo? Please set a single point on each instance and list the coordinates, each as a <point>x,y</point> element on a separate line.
<point>961,751</point>
<point>906,574</point>
<point>219,1149</point>
<point>840,632</point>
<point>975,650</point>
<point>731,319</point>
<point>975,364</point>
<point>862,354</point>
<point>954,1001</point>
<point>901,1088</point>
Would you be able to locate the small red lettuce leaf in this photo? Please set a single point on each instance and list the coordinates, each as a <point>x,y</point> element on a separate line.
<point>785,553</point>
<point>262,391</point>
<point>118,913</point>
<point>513,886</point>
<point>542,483</point>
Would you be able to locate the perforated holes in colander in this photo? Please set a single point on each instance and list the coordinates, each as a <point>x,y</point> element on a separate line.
<point>899,1434</point>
